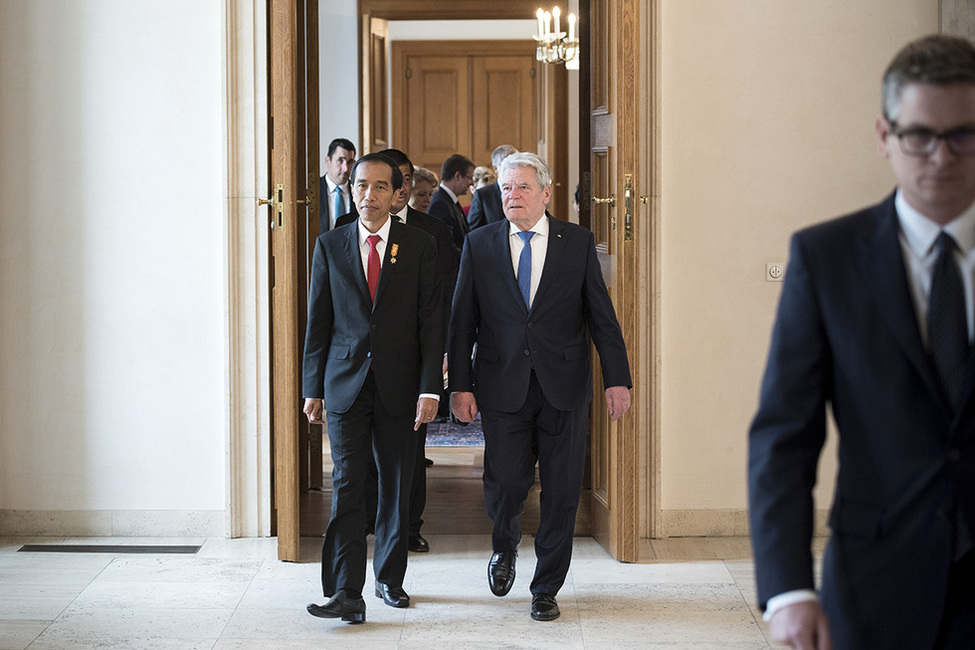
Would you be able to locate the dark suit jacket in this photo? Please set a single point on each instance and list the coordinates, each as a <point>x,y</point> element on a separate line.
<point>571,304</point>
<point>846,333</point>
<point>446,210</point>
<point>401,336</point>
<point>446,255</point>
<point>325,208</point>
<point>485,206</point>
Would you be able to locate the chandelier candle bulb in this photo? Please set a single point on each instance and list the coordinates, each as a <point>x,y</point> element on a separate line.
<point>572,27</point>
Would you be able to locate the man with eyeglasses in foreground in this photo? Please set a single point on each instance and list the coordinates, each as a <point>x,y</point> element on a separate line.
<point>876,320</point>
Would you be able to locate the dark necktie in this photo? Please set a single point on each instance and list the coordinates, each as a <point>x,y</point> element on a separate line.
<point>947,323</point>
<point>372,267</point>
<point>948,340</point>
<point>525,267</point>
<point>459,213</point>
<point>338,205</point>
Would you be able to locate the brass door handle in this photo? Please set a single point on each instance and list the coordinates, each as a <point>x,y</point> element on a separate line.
<point>611,201</point>
<point>261,201</point>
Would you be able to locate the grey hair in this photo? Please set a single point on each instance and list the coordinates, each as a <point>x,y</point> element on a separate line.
<point>938,59</point>
<point>500,153</point>
<point>526,159</point>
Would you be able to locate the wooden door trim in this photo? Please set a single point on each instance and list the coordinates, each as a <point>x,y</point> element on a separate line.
<point>284,52</point>
<point>649,129</point>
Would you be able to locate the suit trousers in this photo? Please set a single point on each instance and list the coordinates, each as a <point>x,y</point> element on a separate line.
<point>957,629</point>
<point>513,442</point>
<point>418,492</point>
<point>365,434</point>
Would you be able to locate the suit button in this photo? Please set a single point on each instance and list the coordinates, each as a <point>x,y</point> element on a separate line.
<point>529,325</point>
<point>954,455</point>
<point>527,353</point>
<point>374,326</point>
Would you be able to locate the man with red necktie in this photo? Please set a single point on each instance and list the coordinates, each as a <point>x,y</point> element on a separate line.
<point>375,377</point>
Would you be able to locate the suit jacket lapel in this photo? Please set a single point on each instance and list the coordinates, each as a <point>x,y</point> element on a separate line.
<point>355,261</point>
<point>502,253</point>
<point>888,279</point>
<point>553,255</point>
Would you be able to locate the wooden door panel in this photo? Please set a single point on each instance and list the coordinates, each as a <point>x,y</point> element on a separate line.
<point>504,105</point>
<point>437,98</point>
<point>463,97</point>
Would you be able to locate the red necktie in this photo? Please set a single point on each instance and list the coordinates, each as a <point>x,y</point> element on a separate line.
<point>372,268</point>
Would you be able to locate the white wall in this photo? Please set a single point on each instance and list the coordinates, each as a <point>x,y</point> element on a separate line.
<point>112,262</point>
<point>338,73</point>
<point>767,121</point>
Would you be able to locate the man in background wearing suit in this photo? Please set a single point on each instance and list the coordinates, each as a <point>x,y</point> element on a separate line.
<point>875,320</point>
<point>373,361</point>
<point>456,177</point>
<point>448,261</point>
<point>335,195</point>
<point>530,294</point>
<point>486,202</point>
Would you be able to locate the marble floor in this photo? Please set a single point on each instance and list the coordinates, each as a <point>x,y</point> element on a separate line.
<point>695,593</point>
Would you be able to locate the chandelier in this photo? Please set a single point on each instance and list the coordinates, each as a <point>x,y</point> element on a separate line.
<point>554,45</point>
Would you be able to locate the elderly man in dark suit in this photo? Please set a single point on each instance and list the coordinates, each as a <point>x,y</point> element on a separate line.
<point>530,295</point>
<point>456,177</point>
<point>875,320</point>
<point>401,211</point>
<point>373,361</point>
<point>486,202</point>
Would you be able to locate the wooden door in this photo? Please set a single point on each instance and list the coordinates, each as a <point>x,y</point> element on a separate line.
<point>611,149</point>
<point>463,97</point>
<point>294,152</point>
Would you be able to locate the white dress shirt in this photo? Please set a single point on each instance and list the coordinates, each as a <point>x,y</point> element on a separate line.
<point>539,244</point>
<point>918,237</point>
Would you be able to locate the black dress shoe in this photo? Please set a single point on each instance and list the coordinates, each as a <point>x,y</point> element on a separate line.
<point>392,596</point>
<point>428,462</point>
<point>352,610</point>
<point>544,607</point>
<point>418,544</point>
<point>501,572</point>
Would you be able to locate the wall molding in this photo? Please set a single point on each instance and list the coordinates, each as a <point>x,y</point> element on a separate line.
<point>248,406</point>
<point>719,523</point>
<point>113,523</point>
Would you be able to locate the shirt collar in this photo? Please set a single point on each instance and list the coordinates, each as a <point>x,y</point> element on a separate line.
<point>540,228</point>
<point>449,193</point>
<point>332,186</point>
<point>921,233</point>
<point>402,213</point>
<point>382,232</point>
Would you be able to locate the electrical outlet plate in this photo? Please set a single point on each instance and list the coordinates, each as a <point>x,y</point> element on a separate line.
<point>774,272</point>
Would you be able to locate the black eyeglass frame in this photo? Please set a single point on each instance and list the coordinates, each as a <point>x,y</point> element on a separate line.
<point>950,138</point>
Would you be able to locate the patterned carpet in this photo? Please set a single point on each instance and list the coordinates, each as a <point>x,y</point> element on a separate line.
<point>447,434</point>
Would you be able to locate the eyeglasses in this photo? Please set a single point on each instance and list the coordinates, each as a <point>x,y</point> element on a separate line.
<point>921,141</point>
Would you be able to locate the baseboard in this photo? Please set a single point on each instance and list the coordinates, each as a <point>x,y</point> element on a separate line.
<point>718,523</point>
<point>113,523</point>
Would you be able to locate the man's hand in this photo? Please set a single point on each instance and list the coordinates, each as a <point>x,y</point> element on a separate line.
<point>464,406</point>
<point>426,410</point>
<point>314,409</point>
<point>618,401</point>
<point>801,625</point>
